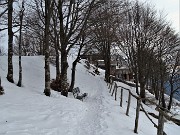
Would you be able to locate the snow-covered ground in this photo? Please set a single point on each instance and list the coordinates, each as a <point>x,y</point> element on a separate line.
<point>27,111</point>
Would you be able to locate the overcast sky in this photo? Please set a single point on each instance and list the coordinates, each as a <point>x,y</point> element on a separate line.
<point>171,8</point>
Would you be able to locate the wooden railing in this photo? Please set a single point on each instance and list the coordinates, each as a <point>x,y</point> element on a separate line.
<point>113,88</point>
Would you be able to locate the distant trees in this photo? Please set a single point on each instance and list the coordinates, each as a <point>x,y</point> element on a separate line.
<point>135,34</point>
<point>173,83</point>
<point>103,23</point>
<point>2,3</point>
<point>145,39</point>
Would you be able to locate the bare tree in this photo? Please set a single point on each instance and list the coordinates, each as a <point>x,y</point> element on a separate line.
<point>139,36</point>
<point>174,78</point>
<point>103,21</point>
<point>48,12</point>
<point>72,18</point>
<point>10,42</point>
<point>84,40</point>
<point>3,3</point>
<point>21,14</point>
<point>2,52</point>
<point>56,42</point>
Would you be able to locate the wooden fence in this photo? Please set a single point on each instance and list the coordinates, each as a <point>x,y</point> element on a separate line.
<point>113,88</point>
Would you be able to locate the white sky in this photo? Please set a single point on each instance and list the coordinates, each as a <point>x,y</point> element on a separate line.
<point>171,8</point>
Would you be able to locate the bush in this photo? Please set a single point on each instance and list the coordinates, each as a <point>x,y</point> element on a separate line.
<point>55,85</point>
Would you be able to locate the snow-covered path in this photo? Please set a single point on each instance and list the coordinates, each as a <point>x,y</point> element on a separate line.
<point>93,122</point>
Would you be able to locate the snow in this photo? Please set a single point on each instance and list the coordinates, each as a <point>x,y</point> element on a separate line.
<point>27,111</point>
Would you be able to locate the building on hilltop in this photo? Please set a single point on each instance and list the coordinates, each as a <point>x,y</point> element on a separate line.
<point>118,68</point>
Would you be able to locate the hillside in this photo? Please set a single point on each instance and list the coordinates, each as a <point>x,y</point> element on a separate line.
<point>27,111</point>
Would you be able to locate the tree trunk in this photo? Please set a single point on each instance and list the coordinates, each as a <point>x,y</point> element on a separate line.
<point>57,67</point>
<point>47,91</point>
<point>163,98</point>
<point>56,49</point>
<point>171,94</point>
<point>142,91</point>
<point>128,105</point>
<point>73,75</point>
<point>107,70</point>
<point>10,42</point>
<point>57,62</point>
<point>64,67</point>
<point>107,60</point>
<point>137,115</point>
<point>20,49</point>
<point>160,124</point>
<point>157,89</point>
<point>136,81</point>
<point>74,64</point>
<point>162,92</point>
<point>170,101</point>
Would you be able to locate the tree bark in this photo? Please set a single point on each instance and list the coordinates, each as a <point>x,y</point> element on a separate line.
<point>73,74</point>
<point>170,101</point>
<point>74,64</point>
<point>10,42</point>
<point>57,57</point>
<point>128,105</point>
<point>142,89</point>
<point>136,81</point>
<point>47,91</point>
<point>107,59</point>
<point>162,88</point>
<point>20,49</point>
<point>160,124</point>
<point>137,115</point>
<point>63,78</point>
<point>57,66</point>
<point>163,98</point>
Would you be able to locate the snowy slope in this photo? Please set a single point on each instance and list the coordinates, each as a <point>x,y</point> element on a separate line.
<point>26,111</point>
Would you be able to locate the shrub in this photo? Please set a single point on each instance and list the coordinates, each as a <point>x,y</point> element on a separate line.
<point>55,85</point>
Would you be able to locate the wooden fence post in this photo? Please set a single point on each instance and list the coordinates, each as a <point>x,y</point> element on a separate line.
<point>113,89</point>
<point>116,92</point>
<point>137,115</point>
<point>160,124</point>
<point>121,100</point>
<point>110,87</point>
<point>128,105</point>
